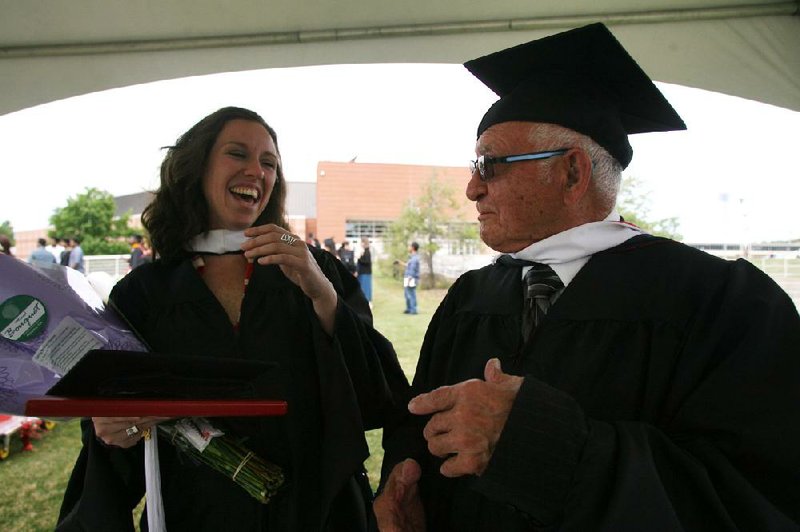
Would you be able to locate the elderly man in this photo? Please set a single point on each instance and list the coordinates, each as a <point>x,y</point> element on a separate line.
<point>595,377</point>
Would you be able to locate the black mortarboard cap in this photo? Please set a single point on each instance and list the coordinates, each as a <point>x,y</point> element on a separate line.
<point>582,79</point>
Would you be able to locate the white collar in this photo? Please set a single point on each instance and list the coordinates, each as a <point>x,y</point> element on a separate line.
<point>568,251</point>
<point>218,242</point>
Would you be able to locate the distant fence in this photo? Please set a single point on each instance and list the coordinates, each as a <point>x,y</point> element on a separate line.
<point>785,272</point>
<point>780,267</point>
<point>114,265</point>
<point>452,266</point>
<point>779,250</point>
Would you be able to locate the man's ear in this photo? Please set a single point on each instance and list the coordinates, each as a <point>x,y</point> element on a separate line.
<point>579,174</point>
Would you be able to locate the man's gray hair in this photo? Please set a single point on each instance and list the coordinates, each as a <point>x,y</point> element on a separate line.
<point>606,171</point>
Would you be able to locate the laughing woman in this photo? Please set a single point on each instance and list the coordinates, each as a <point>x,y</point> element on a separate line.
<point>268,296</point>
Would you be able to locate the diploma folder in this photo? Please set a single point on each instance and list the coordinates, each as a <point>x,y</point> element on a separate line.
<point>132,383</point>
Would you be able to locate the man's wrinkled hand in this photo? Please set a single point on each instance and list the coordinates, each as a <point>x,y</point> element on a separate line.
<point>399,508</point>
<point>467,419</point>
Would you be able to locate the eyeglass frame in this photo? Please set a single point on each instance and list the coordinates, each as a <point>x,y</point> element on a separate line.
<point>480,165</point>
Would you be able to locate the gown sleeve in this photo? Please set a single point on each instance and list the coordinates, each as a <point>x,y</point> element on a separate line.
<point>361,383</point>
<point>374,372</point>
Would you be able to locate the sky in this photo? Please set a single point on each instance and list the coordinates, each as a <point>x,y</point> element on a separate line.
<point>730,177</point>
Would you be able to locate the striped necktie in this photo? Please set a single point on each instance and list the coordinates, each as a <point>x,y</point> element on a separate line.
<point>538,287</point>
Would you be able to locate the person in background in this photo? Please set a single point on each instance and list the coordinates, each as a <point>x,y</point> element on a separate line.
<point>40,255</point>
<point>137,252</point>
<point>330,246</point>
<point>347,256</point>
<point>231,281</point>
<point>64,258</point>
<point>312,240</point>
<point>595,377</point>
<point>147,251</point>
<point>56,248</point>
<point>76,255</point>
<point>5,245</point>
<point>364,270</point>
<point>411,279</point>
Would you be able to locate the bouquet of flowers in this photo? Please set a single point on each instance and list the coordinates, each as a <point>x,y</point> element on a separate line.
<point>50,317</point>
<point>203,442</point>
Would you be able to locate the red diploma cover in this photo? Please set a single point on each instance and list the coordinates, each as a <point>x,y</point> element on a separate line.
<point>110,407</point>
<point>132,384</point>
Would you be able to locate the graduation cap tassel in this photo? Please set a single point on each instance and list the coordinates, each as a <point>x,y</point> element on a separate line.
<point>152,474</point>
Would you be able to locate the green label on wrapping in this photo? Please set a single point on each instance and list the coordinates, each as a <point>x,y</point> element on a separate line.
<point>22,318</point>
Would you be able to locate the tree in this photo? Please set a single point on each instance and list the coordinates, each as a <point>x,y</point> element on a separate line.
<point>7,229</point>
<point>427,219</point>
<point>90,217</point>
<point>634,206</point>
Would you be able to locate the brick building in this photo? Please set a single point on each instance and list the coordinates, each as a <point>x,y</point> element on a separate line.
<point>361,199</point>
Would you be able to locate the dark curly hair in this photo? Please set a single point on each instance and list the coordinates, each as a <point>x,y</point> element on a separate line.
<point>179,210</point>
<point>5,245</point>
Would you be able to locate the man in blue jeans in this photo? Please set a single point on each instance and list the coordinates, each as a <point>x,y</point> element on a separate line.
<point>411,279</point>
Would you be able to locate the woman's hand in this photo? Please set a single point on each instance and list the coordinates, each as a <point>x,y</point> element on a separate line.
<point>123,431</point>
<point>270,244</point>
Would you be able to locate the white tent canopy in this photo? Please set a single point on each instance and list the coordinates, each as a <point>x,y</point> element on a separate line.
<point>53,49</point>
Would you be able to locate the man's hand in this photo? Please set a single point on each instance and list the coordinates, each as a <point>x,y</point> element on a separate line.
<point>468,418</point>
<point>399,508</point>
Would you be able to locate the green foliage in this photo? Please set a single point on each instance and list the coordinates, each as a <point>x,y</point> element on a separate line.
<point>427,219</point>
<point>7,229</point>
<point>633,204</point>
<point>90,216</point>
<point>105,246</point>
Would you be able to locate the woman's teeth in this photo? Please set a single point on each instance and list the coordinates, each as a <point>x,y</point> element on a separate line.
<point>245,193</point>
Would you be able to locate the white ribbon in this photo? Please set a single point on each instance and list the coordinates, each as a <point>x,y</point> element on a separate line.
<point>152,476</point>
<point>218,241</point>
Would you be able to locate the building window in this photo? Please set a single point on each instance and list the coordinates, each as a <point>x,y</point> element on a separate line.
<point>462,247</point>
<point>463,239</point>
<point>372,229</point>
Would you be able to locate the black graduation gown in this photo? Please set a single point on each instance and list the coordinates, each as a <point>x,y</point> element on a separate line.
<point>661,392</point>
<point>336,388</point>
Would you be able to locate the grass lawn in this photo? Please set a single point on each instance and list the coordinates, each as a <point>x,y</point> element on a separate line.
<point>33,483</point>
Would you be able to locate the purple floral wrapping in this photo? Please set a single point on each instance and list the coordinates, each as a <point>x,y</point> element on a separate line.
<point>49,318</point>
